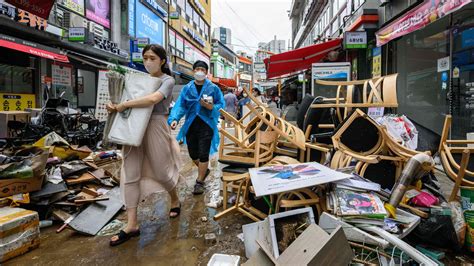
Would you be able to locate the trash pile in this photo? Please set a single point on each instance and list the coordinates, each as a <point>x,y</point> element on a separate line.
<point>65,184</point>
<point>389,203</point>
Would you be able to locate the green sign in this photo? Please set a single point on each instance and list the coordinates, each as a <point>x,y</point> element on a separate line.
<point>355,40</point>
<point>77,34</point>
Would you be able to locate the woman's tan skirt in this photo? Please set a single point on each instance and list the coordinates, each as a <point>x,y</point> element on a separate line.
<point>151,167</point>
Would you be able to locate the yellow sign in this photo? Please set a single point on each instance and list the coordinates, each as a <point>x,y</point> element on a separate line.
<point>376,62</point>
<point>17,102</point>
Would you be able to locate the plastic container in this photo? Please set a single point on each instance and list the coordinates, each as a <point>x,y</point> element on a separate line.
<point>224,260</point>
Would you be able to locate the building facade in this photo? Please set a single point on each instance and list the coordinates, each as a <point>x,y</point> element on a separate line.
<point>224,35</point>
<point>63,53</point>
<point>223,61</point>
<point>245,77</point>
<point>189,36</point>
<point>434,58</point>
<point>275,46</point>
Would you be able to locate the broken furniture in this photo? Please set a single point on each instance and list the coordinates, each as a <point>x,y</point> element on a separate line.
<point>450,152</point>
<point>375,92</point>
<point>236,177</point>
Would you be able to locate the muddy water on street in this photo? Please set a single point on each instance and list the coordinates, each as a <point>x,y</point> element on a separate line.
<point>163,241</point>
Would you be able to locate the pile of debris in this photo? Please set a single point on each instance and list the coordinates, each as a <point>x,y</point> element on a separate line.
<point>58,182</point>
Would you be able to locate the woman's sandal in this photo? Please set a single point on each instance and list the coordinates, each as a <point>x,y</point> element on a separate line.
<point>123,237</point>
<point>176,210</point>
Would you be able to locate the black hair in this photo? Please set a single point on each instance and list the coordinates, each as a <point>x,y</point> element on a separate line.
<point>200,63</point>
<point>161,53</point>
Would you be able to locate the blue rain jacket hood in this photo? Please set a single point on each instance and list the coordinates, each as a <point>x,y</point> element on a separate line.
<point>188,105</point>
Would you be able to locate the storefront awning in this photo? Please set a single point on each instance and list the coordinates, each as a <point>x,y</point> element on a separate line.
<point>300,59</point>
<point>32,48</point>
<point>225,82</point>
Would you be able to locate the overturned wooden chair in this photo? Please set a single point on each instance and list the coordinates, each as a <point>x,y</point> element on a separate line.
<point>238,177</point>
<point>451,151</point>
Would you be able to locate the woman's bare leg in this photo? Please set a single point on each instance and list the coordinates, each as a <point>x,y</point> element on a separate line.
<point>132,222</point>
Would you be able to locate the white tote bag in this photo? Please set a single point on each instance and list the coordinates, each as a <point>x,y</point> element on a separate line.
<point>128,127</point>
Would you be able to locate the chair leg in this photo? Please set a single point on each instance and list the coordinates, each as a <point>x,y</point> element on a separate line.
<point>225,194</point>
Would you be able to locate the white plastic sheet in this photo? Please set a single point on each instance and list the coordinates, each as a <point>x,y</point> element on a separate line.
<point>129,126</point>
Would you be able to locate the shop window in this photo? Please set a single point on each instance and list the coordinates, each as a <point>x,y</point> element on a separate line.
<point>422,93</point>
<point>15,79</point>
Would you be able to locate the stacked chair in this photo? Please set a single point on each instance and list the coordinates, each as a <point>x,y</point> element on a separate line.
<point>253,144</point>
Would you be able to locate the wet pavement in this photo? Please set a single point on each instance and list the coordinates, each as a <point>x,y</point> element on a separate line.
<point>163,241</point>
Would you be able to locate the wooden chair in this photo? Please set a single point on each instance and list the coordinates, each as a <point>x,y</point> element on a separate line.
<point>376,92</point>
<point>233,176</point>
<point>233,148</point>
<point>450,152</point>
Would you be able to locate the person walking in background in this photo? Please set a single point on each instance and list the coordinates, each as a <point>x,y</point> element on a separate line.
<point>243,101</point>
<point>199,101</point>
<point>231,102</point>
<point>158,153</point>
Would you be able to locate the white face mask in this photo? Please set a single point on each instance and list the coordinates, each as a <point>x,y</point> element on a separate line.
<point>152,68</point>
<point>199,75</point>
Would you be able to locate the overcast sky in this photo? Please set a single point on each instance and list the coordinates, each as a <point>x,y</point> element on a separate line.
<point>252,21</point>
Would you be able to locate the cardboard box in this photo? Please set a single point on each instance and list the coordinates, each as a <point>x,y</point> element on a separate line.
<point>19,232</point>
<point>9,187</point>
<point>270,236</point>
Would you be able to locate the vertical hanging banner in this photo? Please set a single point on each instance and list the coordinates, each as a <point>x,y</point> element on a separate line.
<point>376,62</point>
<point>40,8</point>
<point>417,18</point>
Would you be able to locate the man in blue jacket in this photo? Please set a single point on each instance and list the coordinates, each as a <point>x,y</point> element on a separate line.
<point>199,101</point>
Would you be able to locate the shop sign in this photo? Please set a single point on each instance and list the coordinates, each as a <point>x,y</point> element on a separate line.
<point>103,96</point>
<point>443,64</point>
<point>355,39</point>
<point>417,18</point>
<point>131,18</point>
<point>331,70</point>
<point>40,8</point>
<point>73,5</point>
<point>137,57</point>
<point>154,6</point>
<point>149,25</point>
<point>193,35</point>
<point>17,102</point>
<point>174,15</point>
<point>142,42</point>
<point>61,75</point>
<point>456,72</point>
<point>77,34</point>
<point>8,10</point>
<point>99,11</point>
<point>245,77</point>
<point>199,6</point>
<point>376,62</point>
<point>106,45</point>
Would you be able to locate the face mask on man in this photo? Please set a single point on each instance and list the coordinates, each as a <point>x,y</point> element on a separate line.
<point>199,75</point>
<point>152,67</point>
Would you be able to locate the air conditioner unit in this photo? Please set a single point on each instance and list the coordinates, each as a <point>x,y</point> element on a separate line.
<point>76,21</point>
<point>58,17</point>
<point>97,29</point>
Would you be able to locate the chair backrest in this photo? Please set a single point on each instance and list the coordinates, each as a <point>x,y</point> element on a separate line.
<point>265,146</point>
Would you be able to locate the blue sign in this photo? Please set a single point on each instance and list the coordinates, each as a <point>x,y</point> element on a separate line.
<point>444,76</point>
<point>376,51</point>
<point>149,25</point>
<point>467,38</point>
<point>153,4</point>
<point>131,18</point>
